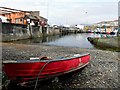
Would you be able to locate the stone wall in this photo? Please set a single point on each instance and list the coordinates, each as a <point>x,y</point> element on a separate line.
<point>10,31</point>
<point>52,31</point>
<point>36,31</point>
<point>14,32</point>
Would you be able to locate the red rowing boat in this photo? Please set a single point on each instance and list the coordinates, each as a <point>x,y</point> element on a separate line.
<point>24,71</point>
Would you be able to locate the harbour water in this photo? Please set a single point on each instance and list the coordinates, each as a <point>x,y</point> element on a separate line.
<point>74,40</point>
<point>70,40</point>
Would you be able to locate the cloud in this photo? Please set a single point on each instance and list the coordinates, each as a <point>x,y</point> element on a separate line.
<point>69,11</point>
<point>95,12</point>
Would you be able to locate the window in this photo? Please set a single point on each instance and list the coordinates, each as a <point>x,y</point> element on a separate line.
<point>21,20</point>
<point>17,20</point>
<point>3,14</point>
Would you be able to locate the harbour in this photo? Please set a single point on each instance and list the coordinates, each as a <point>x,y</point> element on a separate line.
<point>59,45</point>
<point>78,40</point>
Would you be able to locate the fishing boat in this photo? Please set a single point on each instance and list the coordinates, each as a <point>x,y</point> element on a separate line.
<point>23,72</point>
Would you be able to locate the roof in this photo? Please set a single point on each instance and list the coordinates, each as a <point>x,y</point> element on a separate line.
<point>40,17</point>
<point>106,21</point>
<point>5,10</point>
<point>115,21</point>
<point>30,17</point>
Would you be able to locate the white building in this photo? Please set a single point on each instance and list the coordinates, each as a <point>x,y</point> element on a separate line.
<point>80,26</point>
<point>109,25</point>
<point>66,26</point>
<point>4,19</point>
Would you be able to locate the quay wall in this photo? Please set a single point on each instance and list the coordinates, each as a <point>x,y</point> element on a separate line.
<point>11,32</point>
<point>52,31</point>
<point>14,32</point>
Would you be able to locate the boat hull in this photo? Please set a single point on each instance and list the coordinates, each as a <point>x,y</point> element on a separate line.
<point>28,71</point>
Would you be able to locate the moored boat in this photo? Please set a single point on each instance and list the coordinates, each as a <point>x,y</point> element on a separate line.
<point>25,71</point>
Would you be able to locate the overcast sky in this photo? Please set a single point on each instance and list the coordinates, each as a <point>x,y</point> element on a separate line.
<point>69,11</point>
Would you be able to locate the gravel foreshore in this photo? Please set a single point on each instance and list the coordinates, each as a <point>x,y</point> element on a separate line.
<point>101,72</point>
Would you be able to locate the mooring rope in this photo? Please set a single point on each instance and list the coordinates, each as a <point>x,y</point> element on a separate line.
<point>39,74</point>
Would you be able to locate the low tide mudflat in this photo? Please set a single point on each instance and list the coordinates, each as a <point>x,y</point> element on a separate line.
<point>101,72</point>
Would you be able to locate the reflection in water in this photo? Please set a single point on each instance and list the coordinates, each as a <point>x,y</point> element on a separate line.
<point>72,40</point>
<point>38,40</point>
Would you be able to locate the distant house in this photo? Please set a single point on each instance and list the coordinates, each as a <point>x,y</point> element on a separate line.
<point>42,21</point>
<point>33,20</point>
<point>81,27</point>
<point>114,25</point>
<point>13,15</point>
<point>107,26</point>
<point>22,17</point>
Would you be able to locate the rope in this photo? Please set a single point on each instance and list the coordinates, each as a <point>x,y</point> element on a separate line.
<point>39,74</point>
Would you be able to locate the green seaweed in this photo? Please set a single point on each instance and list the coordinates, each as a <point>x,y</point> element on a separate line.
<point>106,43</point>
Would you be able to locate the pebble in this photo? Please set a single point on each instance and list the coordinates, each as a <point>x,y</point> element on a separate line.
<point>87,82</point>
<point>103,81</point>
<point>96,71</point>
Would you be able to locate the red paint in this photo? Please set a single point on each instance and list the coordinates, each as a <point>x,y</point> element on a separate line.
<point>32,69</point>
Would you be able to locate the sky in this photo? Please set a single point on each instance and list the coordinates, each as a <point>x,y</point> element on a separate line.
<point>70,12</point>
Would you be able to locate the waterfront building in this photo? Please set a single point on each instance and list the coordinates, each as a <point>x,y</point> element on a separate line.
<point>81,27</point>
<point>107,26</point>
<point>114,26</point>
<point>21,17</point>
<point>13,15</point>
<point>19,24</point>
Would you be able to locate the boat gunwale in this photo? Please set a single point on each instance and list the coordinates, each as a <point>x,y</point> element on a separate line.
<point>53,60</point>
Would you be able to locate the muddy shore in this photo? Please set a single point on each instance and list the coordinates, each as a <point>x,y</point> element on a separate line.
<point>101,72</point>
